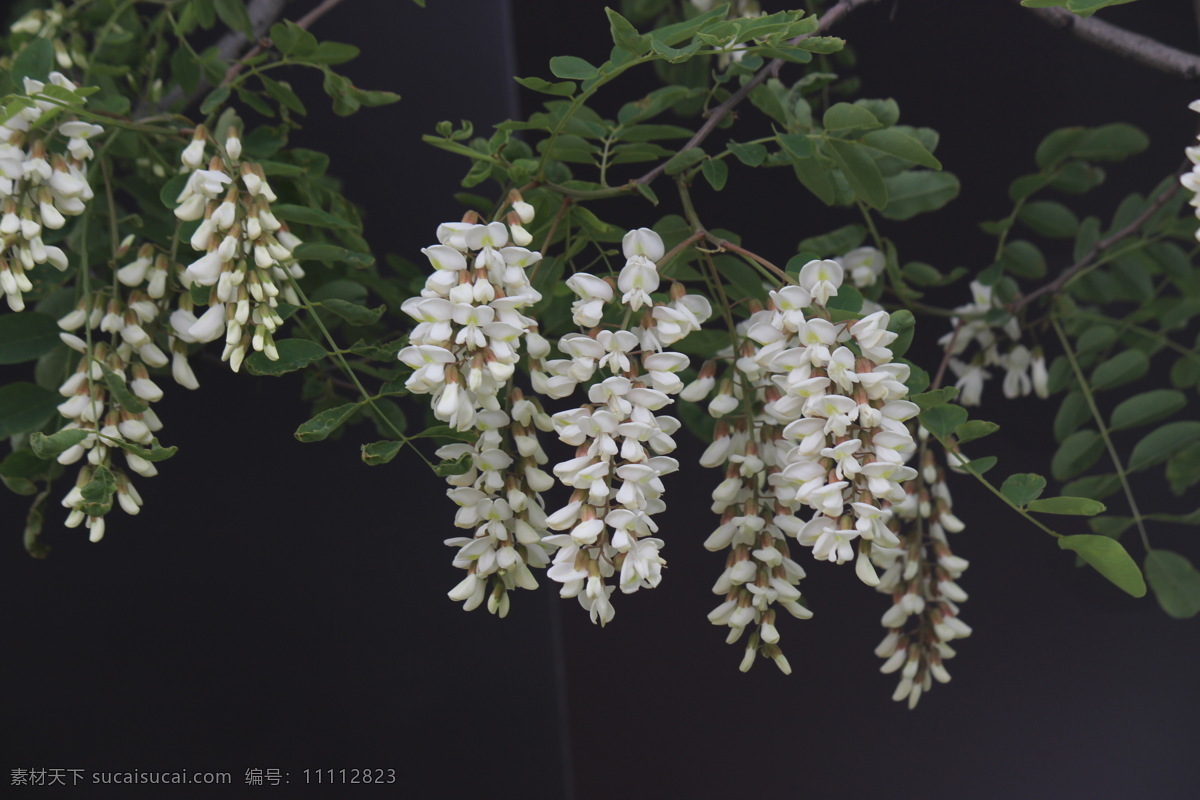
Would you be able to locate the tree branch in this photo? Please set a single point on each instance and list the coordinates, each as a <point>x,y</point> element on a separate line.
<point>263,14</point>
<point>1128,44</point>
<point>304,22</point>
<point>1059,283</point>
<point>770,70</point>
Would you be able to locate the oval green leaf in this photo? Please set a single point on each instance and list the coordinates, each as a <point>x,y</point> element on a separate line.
<point>1108,558</point>
<point>1073,506</point>
<point>1176,583</point>
<point>1023,488</point>
<point>26,336</point>
<point>1147,407</point>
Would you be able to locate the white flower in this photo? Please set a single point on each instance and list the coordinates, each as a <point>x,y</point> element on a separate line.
<point>821,279</point>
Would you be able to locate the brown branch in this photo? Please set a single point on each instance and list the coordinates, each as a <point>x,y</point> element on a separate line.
<point>941,371</point>
<point>263,14</point>
<point>304,22</point>
<point>1059,283</point>
<point>770,70</point>
<point>1128,44</point>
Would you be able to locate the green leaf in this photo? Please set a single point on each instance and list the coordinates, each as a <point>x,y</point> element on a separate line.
<point>27,336</point>
<point>1120,369</point>
<point>797,145</point>
<point>283,94</point>
<point>215,98</point>
<point>895,143</point>
<point>25,407</point>
<point>332,53</point>
<point>457,466</point>
<point>752,155</point>
<point>974,429</point>
<point>1080,450</point>
<point>1114,142</point>
<point>332,254</point>
<point>292,40</point>
<point>1109,559</point>
<point>847,116</point>
<point>121,393</point>
<point>1159,445</point>
<point>861,171</point>
<point>49,446</point>
<point>1023,259</point>
<point>1147,407</point>
<point>1059,145</point>
<point>815,176</point>
<point>377,453</point>
<point>903,324</point>
<point>34,61</point>
<point>942,420</point>
<point>294,354</point>
<point>1176,583</point>
<point>308,215</point>
<point>625,35</point>
<point>1023,488</point>
<point>981,465</point>
<point>559,88</point>
<point>918,191</point>
<point>325,423</point>
<point>937,397</point>
<point>821,44</point>
<point>1112,527</point>
<point>716,172</point>
<point>1049,219</point>
<point>847,299</point>
<point>1183,470</point>
<point>353,312</point>
<point>1096,487</point>
<point>834,243</point>
<point>684,159</point>
<point>1074,506</point>
<point>572,67</point>
<point>97,493</point>
<point>233,13</point>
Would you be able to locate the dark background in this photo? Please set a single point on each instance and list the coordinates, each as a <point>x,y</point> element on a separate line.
<point>279,605</point>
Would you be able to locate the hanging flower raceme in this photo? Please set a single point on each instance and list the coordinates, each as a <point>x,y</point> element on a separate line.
<point>920,573</point>
<point>43,180</point>
<point>109,395</point>
<point>247,252</point>
<point>994,346</point>
<point>621,442</point>
<point>820,441</point>
<point>464,351</point>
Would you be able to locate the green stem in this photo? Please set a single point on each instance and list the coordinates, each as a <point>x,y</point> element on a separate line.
<point>991,487</point>
<point>1112,451</point>
<point>336,352</point>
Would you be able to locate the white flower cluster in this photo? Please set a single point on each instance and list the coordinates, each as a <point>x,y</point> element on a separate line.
<point>499,496</point>
<point>463,351</point>
<point>864,265</point>
<point>247,250</point>
<point>1025,370</point>
<point>469,329</point>
<point>39,188</point>
<point>621,443</point>
<point>921,575</point>
<point>131,319</point>
<point>1191,181</point>
<point>821,428</point>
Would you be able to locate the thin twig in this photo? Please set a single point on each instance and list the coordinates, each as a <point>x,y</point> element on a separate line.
<point>263,14</point>
<point>1128,44</point>
<point>304,22</point>
<point>1059,283</point>
<point>770,70</point>
<point>941,372</point>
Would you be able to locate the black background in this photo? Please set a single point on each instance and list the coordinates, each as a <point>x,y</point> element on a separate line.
<point>279,605</point>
